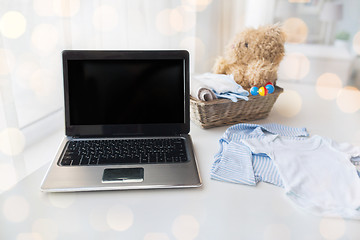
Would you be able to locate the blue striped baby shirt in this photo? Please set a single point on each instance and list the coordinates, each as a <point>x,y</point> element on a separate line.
<point>235,162</point>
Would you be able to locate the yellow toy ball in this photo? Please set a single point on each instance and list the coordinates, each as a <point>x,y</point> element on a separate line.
<point>262,91</point>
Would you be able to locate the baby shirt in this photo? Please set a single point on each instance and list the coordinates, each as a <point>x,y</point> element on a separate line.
<point>235,163</point>
<point>317,173</point>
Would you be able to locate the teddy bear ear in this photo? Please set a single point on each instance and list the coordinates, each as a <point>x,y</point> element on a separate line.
<point>277,28</point>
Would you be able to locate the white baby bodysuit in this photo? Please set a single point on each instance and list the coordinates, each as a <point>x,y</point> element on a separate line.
<point>317,172</point>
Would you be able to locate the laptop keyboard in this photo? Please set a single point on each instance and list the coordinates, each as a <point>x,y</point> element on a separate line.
<point>124,151</point>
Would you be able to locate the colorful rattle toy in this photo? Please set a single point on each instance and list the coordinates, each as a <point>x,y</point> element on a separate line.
<point>263,91</point>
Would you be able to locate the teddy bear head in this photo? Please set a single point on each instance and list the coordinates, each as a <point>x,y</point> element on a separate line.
<point>264,43</point>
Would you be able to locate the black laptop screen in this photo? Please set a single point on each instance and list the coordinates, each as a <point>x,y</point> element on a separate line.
<point>112,92</point>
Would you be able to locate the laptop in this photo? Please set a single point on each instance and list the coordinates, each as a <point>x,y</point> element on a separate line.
<point>127,122</point>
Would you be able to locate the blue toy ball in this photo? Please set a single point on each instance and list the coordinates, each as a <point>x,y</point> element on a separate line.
<point>270,88</point>
<point>254,91</point>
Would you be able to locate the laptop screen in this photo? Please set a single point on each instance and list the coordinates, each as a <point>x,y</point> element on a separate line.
<point>103,92</point>
<point>125,92</point>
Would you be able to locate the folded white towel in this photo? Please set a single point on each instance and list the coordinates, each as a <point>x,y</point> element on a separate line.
<point>199,90</point>
<point>209,86</point>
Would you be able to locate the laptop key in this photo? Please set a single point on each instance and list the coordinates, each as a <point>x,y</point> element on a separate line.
<point>94,160</point>
<point>152,158</point>
<point>76,160</point>
<point>66,162</point>
<point>144,158</point>
<point>160,158</point>
<point>67,157</point>
<point>85,160</point>
<point>168,159</point>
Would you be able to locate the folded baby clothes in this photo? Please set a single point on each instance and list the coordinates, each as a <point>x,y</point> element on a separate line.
<point>209,86</point>
<point>317,173</point>
<point>235,162</point>
<point>199,90</point>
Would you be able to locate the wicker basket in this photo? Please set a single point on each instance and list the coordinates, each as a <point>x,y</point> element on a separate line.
<point>222,112</point>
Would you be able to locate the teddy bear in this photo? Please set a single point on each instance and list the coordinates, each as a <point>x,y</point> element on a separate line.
<point>253,56</point>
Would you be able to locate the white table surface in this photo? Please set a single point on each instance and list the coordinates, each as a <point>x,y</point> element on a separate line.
<point>217,210</point>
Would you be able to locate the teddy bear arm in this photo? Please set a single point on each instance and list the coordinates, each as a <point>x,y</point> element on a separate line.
<point>260,72</point>
<point>221,66</point>
<point>238,71</point>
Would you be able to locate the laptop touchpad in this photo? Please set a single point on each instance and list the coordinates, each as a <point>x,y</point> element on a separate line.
<point>124,175</point>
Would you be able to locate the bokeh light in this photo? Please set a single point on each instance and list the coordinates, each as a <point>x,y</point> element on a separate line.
<point>172,21</point>
<point>12,24</point>
<point>288,104</point>
<point>156,236</point>
<point>7,61</point>
<point>332,228</point>
<point>4,82</point>
<point>181,20</point>
<point>43,8</point>
<point>356,43</point>
<point>43,82</point>
<point>120,217</point>
<point>46,228</point>
<point>296,30</point>
<point>348,99</point>
<point>66,8</point>
<point>61,200</point>
<point>295,66</point>
<point>44,38</point>
<point>195,5</point>
<point>97,219</point>
<point>185,227</point>
<point>7,177</point>
<point>277,231</point>
<point>105,18</point>
<point>163,22</point>
<point>23,71</point>
<point>29,236</point>
<point>176,20</point>
<point>16,209</point>
<point>12,141</point>
<point>328,86</point>
<point>299,1</point>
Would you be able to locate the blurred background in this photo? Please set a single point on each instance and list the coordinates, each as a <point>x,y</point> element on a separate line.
<point>322,48</point>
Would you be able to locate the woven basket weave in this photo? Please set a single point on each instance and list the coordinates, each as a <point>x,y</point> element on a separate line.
<point>222,112</point>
